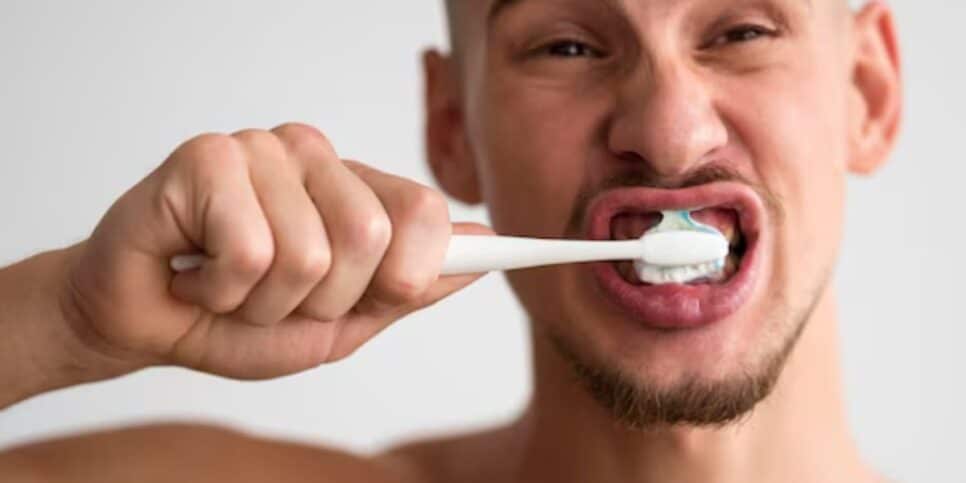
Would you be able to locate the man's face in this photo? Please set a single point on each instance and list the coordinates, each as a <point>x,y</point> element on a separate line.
<point>586,118</point>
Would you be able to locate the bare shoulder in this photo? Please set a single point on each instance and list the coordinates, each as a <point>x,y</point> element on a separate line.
<point>490,456</point>
<point>180,452</point>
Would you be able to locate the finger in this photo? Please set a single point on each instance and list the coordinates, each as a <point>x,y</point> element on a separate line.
<point>301,248</point>
<point>420,235</point>
<point>357,226</point>
<point>450,284</point>
<point>226,219</point>
<point>372,317</point>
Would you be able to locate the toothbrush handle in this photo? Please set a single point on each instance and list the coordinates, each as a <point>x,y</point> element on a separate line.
<point>479,254</point>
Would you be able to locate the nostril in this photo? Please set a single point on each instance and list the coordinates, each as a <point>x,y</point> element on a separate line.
<point>634,158</point>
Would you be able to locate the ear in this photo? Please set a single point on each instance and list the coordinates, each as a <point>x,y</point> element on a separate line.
<point>876,104</point>
<point>447,149</point>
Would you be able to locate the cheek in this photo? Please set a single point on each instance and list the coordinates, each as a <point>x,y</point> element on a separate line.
<point>800,158</point>
<point>534,151</point>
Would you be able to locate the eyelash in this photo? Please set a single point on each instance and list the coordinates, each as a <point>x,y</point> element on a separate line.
<point>740,34</point>
<point>570,49</point>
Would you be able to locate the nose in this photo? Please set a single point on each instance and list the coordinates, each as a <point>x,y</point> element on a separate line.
<point>666,119</point>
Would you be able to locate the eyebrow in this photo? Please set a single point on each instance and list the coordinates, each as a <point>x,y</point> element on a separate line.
<point>499,6</point>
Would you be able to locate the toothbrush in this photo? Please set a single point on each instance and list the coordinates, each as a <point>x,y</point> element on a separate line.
<point>677,241</point>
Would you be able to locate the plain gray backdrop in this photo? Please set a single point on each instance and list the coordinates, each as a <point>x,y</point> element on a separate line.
<point>95,94</point>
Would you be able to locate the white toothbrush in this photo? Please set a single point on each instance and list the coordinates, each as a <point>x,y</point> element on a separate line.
<point>678,241</point>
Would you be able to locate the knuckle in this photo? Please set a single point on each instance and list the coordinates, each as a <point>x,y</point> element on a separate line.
<point>209,145</point>
<point>208,157</point>
<point>262,141</point>
<point>209,152</point>
<point>305,141</point>
<point>308,264</point>
<point>297,130</point>
<point>371,233</point>
<point>426,204</point>
<point>251,260</point>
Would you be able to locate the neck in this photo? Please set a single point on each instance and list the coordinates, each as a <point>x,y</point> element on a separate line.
<point>798,433</point>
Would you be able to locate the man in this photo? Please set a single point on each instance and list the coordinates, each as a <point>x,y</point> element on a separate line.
<point>569,119</point>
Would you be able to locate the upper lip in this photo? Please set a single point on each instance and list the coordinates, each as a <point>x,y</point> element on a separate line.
<point>736,196</point>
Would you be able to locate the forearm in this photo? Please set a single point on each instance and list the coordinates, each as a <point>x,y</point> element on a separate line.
<point>39,348</point>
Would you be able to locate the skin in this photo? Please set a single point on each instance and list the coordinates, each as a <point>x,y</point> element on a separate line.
<point>312,255</point>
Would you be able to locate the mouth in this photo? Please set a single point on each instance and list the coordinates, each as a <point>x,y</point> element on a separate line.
<point>624,214</point>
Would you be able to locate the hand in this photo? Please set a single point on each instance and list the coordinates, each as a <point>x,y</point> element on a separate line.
<point>309,256</point>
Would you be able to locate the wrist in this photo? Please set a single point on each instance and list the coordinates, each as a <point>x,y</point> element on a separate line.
<point>46,343</point>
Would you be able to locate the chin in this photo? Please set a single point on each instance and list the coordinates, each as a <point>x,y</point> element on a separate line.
<point>710,375</point>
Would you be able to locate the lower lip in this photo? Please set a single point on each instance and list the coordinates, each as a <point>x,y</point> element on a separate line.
<point>677,306</point>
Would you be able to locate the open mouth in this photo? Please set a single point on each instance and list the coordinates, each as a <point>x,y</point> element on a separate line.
<point>732,208</point>
<point>632,226</point>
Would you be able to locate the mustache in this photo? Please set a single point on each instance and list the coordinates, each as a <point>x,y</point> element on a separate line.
<point>642,178</point>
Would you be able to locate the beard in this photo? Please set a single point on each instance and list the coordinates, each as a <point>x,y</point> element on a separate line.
<point>641,404</point>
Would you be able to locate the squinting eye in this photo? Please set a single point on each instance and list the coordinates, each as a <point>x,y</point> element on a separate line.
<point>743,33</point>
<point>572,48</point>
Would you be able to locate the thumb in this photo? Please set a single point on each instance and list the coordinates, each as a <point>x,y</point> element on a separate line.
<point>374,321</point>
<point>449,284</point>
<point>472,229</point>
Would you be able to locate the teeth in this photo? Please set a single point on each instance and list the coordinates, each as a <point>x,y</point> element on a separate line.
<point>633,225</point>
<point>680,275</point>
<point>725,220</point>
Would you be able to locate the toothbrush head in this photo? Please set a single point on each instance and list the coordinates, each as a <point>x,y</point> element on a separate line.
<point>681,250</point>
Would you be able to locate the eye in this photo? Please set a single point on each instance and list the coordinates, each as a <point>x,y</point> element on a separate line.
<point>571,49</point>
<point>741,34</point>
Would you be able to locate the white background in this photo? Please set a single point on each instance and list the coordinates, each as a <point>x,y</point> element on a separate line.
<point>94,94</point>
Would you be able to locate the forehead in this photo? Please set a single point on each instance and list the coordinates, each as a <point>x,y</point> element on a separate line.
<point>495,6</point>
<point>490,9</point>
<point>471,20</point>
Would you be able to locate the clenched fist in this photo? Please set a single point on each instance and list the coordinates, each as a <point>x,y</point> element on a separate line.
<point>308,257</point>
